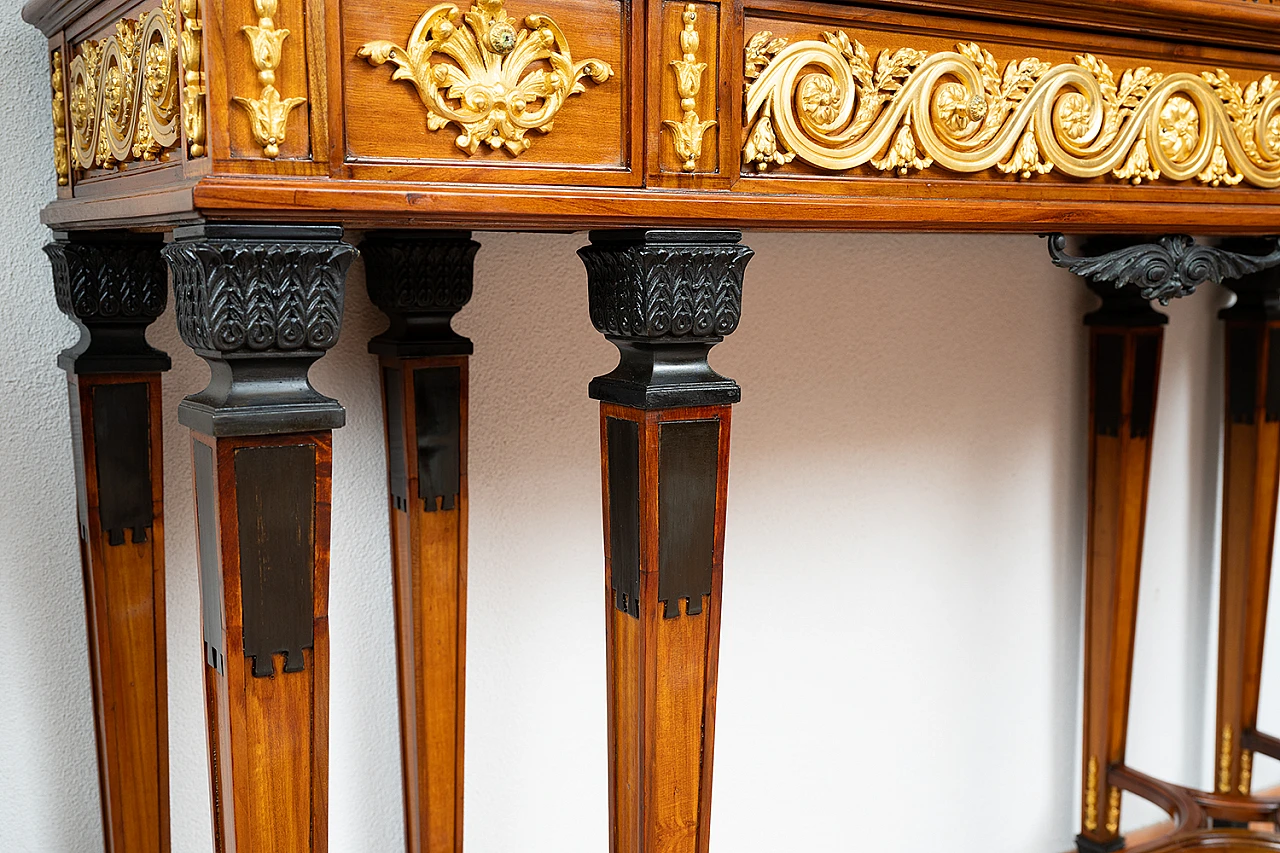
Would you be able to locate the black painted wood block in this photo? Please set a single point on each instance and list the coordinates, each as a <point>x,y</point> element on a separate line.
<point>623,438</point>
<point>275,505</point>
<point>122,447</point>
<point>688,457</point>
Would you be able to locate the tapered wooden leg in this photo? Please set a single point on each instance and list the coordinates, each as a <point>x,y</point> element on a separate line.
<point>1251,475</point>
<point>1125,344</point>
<point>114,286</point>
<point>420,280</point>
<point>1125,337</point>
<point>260,304</point>
<point>664,298</point>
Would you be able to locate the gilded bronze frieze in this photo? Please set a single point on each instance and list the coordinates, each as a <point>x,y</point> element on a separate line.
<point>829,104</point>
<point>125,92</point>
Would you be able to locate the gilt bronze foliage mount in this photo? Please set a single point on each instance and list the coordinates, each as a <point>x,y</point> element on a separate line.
<point>494,90</point>
<point>269,112</point>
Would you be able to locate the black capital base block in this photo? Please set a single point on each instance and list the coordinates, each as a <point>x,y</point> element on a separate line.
<point>664,299</point>
<point>420,280</point>
<point>260,304</point>
<point>112,284</point>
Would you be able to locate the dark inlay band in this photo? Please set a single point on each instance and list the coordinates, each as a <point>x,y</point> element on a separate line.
<point>623,440</point>
<point>1146,365</point>
<point>437,413</point>
<point>1108,380</point>
<point>688,457</point>
<point>1242,358</point>
<point>77,448</point>
<point>276,498</point>
<point>397,473</point>
<point>1273,375</point>
<point>210,568</point>
<point>122,445</point>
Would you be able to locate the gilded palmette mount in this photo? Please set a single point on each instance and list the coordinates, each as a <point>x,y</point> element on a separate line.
<point>269,112</point>
<point>495,89</point>
<point>687,134</point>
<point>124,92</point>
<point>828,104</point>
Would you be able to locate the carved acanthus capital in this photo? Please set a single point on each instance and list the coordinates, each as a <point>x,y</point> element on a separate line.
<point>420,280</point>
<point>260,304</point>
<point>113,285</point>
<point>1172,266</point>
<point>665,298</point>
<point>665,284</point>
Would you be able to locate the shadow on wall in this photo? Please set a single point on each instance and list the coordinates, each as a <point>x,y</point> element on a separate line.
<point>902,577</point>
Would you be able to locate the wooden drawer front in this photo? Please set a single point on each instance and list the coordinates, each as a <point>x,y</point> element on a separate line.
<point>908,99</point>
<point>496,90</point>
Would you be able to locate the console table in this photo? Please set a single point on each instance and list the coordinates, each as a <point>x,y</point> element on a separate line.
<point>229,148</point>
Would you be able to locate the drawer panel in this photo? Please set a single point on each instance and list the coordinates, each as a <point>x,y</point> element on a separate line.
<point>899,99</point>
<point>494,89</point>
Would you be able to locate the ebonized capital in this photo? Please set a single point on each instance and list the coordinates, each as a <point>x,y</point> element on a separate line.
<point>1164,268</point>
<point>260,304</point>
<point>113,285</point>
<point>665,298</point>
<point>420,280</point>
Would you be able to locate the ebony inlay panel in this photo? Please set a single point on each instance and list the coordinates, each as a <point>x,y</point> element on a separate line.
<point>276,493</point>
<point>623,447</point>
<point>397,470</point>
<point>212,624</point>
<point>122,424</point>
<point>436,393</point>
<point>688,457</point>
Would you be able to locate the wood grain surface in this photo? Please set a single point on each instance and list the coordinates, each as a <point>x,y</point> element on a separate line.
<point>429,582</point>
<point>125,603</point>
<point>662,672</point>
<point>1251,482</point>
<point>1119,472</point>
<point>269,736</point>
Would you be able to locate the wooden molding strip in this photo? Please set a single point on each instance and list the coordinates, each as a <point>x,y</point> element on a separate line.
<point>1151,833</point>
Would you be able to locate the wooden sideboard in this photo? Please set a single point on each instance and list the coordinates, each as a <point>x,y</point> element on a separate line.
<point>243,152</point>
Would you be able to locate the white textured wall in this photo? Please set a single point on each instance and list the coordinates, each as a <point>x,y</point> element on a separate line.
<point>902,609</point>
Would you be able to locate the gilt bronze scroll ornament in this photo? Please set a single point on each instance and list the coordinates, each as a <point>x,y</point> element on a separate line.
<point>829,104</point>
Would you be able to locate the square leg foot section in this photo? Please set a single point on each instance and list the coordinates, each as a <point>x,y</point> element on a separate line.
<point>1088,845</point>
